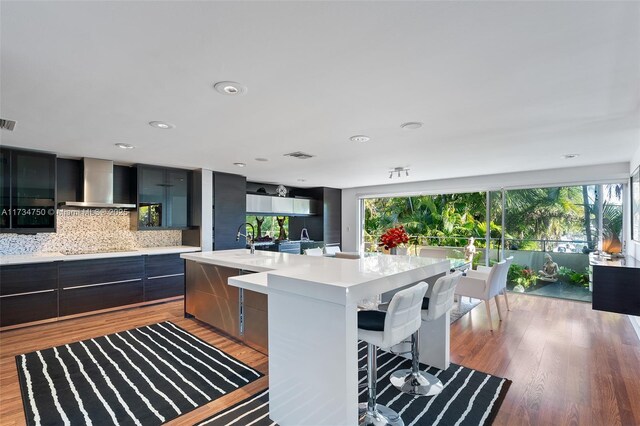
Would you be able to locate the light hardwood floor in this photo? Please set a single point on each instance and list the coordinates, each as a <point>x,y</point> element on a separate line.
<point>569,364</point>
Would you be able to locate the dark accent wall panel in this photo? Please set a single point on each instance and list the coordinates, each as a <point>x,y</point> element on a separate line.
<point>332,210</point>
<point>230,209</point>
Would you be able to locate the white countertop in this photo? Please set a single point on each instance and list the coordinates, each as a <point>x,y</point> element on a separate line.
<point>19,259</point>
<point>326,278</point>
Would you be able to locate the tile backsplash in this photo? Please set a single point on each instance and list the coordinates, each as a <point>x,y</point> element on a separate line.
<point>88,230</point>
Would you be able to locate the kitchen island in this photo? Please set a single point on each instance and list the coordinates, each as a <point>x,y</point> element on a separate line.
<point>312,321</point>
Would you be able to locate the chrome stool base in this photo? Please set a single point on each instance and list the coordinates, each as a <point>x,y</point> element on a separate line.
<point>420,383</point>
<point>381,416</point>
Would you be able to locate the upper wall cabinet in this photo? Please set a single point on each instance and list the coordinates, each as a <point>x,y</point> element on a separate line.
<point>163,198</point>
<point>264,205</point>
<point>27,191</point>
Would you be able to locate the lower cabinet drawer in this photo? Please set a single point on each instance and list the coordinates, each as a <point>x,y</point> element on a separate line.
<point>28,278</point>
<point>76,300</point>
<point>162,287</point>
<point>163,264</point>
<point>28,307</point>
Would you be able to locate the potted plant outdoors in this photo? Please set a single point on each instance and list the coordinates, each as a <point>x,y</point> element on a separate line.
<point>612,227</point>
<point>522,277</point>
<point>392,238</point>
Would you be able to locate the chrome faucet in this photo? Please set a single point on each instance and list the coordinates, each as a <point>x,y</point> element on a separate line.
<point>251,240</point>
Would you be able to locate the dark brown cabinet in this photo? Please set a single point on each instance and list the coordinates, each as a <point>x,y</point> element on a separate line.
<point>38,291</point>
<point>164,276</point>
<point>28,293</point>
<point>163,198</point>
<point>90,285</point>
<point>617,288</point>
<point>28,191</point>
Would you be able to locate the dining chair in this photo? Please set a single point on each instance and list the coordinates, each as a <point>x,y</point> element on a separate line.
<point>313,251</point>
<point>487,283</point>
<point>331,250</point>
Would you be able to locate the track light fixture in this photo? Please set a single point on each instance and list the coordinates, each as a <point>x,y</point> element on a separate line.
<point>398,171</point>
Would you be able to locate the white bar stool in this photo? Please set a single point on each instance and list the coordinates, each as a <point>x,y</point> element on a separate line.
<point>386,329</point>
<point>413,381</point>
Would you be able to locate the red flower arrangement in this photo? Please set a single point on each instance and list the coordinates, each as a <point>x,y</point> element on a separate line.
<point>394,237</point>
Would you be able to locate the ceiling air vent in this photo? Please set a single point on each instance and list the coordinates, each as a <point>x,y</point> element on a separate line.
<point>7,124</point>
<point>300,155</point>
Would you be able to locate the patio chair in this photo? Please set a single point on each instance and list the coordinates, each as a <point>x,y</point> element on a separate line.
<point>485,284</point>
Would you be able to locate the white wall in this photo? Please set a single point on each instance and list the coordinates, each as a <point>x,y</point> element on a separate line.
<point>633,247</point>
<point>616,172</point>
<point>206,223</point>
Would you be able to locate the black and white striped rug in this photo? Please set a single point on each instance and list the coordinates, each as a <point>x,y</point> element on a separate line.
<point>469,398</point>
<point>145,376</point>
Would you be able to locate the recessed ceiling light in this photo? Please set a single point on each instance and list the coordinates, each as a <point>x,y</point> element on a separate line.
<point>161,125</point>
<point>411,125</point>
<point>360,138</point>
<point>230,88</point>
<point>570,156</point>
<point>262,159</point>
<point>240,164</point>
<point>124,146</point>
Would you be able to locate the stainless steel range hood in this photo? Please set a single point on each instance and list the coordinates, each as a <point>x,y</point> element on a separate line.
<point>98,187</point>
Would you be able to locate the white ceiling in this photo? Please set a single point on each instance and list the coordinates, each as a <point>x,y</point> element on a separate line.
<point>501,87</point>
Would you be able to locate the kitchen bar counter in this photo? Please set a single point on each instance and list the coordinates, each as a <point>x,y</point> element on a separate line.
<point>21,259</point>
<point>312,323</point>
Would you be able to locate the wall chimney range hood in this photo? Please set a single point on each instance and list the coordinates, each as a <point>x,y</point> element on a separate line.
<point>98,187</point>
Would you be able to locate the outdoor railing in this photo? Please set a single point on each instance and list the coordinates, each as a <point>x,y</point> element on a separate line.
<point>523,244</point>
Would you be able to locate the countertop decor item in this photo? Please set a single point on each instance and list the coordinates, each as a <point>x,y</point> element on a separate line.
<point>393,237</point>
<point>259,222</point>
<point>283,234</point>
